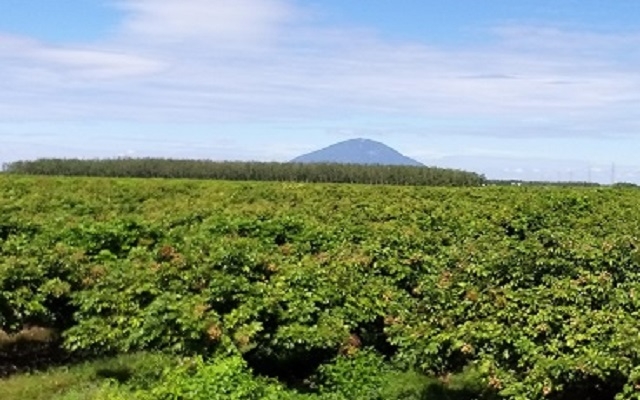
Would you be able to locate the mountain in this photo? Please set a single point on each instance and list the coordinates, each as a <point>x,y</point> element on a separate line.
<point>358,151</point>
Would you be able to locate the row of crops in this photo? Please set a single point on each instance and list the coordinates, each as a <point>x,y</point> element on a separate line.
<point>532,292</point>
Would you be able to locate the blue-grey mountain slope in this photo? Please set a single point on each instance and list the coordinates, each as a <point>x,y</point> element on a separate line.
<point>358,151</point>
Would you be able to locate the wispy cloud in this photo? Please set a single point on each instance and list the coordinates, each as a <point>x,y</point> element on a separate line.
<point>23,56</point>
<point>92,64</point>
<point>220,21</point>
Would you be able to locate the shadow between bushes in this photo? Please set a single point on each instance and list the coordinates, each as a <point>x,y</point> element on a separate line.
<point>441,392</point>
<point>30,350</point>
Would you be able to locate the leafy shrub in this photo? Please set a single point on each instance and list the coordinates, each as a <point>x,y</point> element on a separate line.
<point>227,378</point>
<point>520,293</point>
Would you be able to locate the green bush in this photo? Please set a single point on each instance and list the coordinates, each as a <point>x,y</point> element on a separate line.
<point>515,292</point>
<point>227,378</point>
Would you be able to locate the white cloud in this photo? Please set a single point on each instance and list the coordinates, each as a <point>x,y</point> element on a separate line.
<point>250,60</point>
<point>31,64</point>
<point>93,64</point>
<point>553,38</point>
<point>223,21</point>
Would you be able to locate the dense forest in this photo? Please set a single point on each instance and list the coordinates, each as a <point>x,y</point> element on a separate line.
<point>248,171</point>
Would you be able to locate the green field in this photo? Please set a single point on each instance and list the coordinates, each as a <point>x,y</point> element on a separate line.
<point>252,290</point>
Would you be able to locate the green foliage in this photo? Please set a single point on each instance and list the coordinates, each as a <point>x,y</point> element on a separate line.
<point>368,376</point>
<point>498,292</point>
<point>226,379</point>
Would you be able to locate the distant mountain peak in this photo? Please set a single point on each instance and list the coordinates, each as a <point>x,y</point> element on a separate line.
<point>358,151</point>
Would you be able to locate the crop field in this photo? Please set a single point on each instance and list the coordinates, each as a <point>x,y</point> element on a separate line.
<point>258,290</point>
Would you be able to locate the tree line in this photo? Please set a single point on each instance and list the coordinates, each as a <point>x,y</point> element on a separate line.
<point>248,171</point>
<point>508,182</point>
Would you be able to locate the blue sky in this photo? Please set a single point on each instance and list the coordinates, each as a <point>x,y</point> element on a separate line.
<point>536,90</point>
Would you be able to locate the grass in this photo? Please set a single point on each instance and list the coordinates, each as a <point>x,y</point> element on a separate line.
<point>141,375</point>
<point>86,381</point>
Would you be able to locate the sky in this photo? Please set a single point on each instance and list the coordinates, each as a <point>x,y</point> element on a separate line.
<point>538,90</point>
